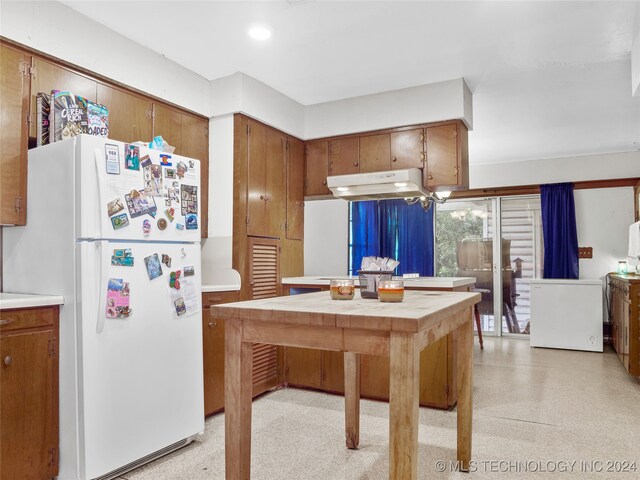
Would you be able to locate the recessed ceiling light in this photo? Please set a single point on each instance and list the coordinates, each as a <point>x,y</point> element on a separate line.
<point>260,32</point>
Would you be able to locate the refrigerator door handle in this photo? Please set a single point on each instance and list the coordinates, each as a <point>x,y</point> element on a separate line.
<point>101,187</point>
<point>102,293</point>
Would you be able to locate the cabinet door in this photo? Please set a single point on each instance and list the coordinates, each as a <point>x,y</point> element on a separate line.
<point>275,184</point>
<point>48,76</point>
<point>195,144</point>
<point>14,98</point>
<point>375,153</point>
<point>26,406</point>
<point>442,156</point>
<point>257,153</point>
<point>167,122</point>
<point>344,156</point>
<point>295,189</point>
<point>333,371</point>
<point>407,149</point>
<point>303,367</point>
<point>129,115</point>
<point>213,363</point>
<point>316,167</point>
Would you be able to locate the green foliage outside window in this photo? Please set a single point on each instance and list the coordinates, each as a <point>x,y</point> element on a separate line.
<point>450,230</point>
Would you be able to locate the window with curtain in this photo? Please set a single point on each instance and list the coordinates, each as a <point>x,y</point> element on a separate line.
<point>391,228</point>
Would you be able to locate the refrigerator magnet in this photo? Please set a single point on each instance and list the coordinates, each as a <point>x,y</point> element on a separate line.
<point>154,269</point>
<point>122,257</point>
<point>112,159</point>
<point>132,157</point>
<point>170,173</point>
<point>118,299</point>
<point>179,226</point>
<point>180,306</point>
<point>139,204</point>
<point>165,160</point>
<point>170,213</point>
<point>191,221</point>
<point>162,223</point>
<point>174,279</point>
<point>166,259</point>
<point>183,253</point>
<point>120,221</point>
<point>146,228</point>
<point>189,271</point>
<point>181,169</point>
<point>114,206</point>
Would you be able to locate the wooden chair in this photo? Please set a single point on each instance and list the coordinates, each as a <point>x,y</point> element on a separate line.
<point>476,311</point>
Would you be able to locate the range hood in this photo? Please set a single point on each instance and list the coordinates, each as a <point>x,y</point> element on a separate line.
<point>378,185</point>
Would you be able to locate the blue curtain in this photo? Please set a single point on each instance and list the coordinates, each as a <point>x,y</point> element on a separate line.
<point>559,231</point>
<point>364,232</point>
<point>405,232</point>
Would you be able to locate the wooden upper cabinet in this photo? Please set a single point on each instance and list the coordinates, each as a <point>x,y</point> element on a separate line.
<point>407,149</point>
<point>295,189</point>
<point>275,191</point>
<point>195,144</point>
<point>130,116</point>
<point>14,101</point>
<point>316,167</point>
<point>257,151</point>
<point>48,76</point>
<point>447,163</point>
<point>167,122</point>
<point>375,153</point>
<point>344,156</point>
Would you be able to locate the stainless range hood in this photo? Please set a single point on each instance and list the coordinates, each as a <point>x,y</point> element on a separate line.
<point>378,185</point>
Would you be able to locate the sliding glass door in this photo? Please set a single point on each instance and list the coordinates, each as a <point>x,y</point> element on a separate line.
<point>470,234</point>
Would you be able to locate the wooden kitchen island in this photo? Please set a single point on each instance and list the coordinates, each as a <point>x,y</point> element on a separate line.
<point>397,330</point>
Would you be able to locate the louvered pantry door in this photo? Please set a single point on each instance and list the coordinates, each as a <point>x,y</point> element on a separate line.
<point>264,282</point>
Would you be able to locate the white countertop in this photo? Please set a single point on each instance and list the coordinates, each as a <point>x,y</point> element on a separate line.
<point>418,282</point>
<point>208,288</point>
<point>23,300</point>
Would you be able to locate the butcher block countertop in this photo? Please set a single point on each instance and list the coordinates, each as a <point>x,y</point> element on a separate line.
<point>419,310</point>
<point>416,282</point>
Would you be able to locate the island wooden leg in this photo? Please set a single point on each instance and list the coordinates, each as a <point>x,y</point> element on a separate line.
<point>237,403</point>
<point>464,349</point>
<point>404,387</point>
<point>352,398</point>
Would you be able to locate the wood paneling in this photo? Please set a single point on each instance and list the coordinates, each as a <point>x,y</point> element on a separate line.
<point>14,101</point>
<point>130,116</point>
<point>303,367</point>
<point>375,153</point>
<point>295,189</point>
<point>344,156</point>
<point>167,122</point>
<point>407,149</point>
<point>29,394</point>
<point>316,168</point>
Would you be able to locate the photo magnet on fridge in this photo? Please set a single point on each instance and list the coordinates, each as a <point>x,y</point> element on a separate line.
<point>191,221</point>
<point>189,271</point>
<point>166,259</point>
<point>118,296</point>
<point>120,221</point>
<point>154,269</point>
<point>114,206</point>
<point>170,173</point>
<point>112,158</point>
<point>132,157</point>
<point>122,257</point>
<point>181,308</point>
<point>181,169</point>
<point>188,199</point>
<point>139,204</point>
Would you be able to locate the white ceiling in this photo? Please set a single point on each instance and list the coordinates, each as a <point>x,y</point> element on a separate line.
<point>550,79</point>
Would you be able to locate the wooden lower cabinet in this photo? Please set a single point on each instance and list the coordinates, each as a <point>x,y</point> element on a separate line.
<point>29,393</point>
<point>625,320</point>
<point>324,370</point>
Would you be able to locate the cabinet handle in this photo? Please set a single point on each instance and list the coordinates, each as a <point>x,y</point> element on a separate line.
<point>430,177</point>
<point>355,164</point>
<point>7,360</point>
<point>394,159</point>
<point>213,324</point>
<point>215,299</point>
<point>324,182</point>
<point>6,322</point>
<point>261,197</point>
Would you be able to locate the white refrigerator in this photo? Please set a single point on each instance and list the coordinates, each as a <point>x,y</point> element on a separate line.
<point>116,231</point>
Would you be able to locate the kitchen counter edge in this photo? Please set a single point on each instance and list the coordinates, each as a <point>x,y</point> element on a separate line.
<point>9,301</point>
